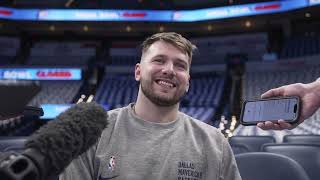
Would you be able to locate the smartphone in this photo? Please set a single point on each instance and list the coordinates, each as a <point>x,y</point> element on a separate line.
<point>272,109</point>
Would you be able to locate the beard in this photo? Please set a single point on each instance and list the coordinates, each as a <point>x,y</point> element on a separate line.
<point>158,99</point>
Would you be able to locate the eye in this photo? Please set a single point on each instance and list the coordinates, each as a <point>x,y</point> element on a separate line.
<point>181,66</point>
<point>158,60</point>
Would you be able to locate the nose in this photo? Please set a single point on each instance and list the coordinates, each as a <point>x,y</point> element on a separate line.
<point>168,69</point>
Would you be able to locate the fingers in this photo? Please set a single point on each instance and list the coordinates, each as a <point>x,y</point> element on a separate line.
<point>268,125</point>
<point>285,125</point>
<point>279,125</point>
<point>261,125</point>
<point>273,93</point>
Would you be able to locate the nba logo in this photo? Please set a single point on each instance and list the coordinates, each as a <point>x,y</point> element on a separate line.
<point>112,163</point>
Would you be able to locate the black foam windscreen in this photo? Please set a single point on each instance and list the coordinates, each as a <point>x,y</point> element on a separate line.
<point>72,133</point>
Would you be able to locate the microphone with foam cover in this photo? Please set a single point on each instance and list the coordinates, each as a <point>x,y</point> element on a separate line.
<point>56,144</point>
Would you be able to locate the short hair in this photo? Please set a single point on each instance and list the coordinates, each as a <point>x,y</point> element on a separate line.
<point>172,38</point>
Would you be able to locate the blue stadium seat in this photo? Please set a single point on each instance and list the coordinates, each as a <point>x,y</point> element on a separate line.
<point>300,46</point>
<point>308,156</point>
<point>56,92</point>
<point>302,139</point>
<point>239,148</point>
<point>269,166</point>
<point>254,143</point>
<point>13,143</point>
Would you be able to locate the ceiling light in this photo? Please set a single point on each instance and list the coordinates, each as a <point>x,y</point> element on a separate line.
<point>248,24</point>
<point>85,28</point>
<point>128,29</point>
<point>68,3</point>
<point>161,28</point>
<point>307,15</point>
<point>52,28</point>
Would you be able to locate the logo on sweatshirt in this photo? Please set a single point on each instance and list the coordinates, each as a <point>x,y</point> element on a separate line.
<point>112,163</point>
<point>188,170</point>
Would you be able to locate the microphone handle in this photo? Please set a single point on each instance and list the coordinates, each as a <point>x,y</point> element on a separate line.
<point>15,166</point>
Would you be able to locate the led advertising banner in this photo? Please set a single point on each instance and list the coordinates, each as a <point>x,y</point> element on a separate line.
<point>18,14</point>
<point>155,15</point>
<point>51,111</point>
<point>104,15</point>
<point>314,2</point>
<point>238,11</point>
<point>41,73</point>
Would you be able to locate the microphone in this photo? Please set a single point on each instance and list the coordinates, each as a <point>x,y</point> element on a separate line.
<point>52,148</point>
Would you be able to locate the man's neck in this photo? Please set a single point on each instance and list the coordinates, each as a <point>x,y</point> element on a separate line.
<point>148,111</point>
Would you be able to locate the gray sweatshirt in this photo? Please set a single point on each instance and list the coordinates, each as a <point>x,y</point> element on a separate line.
<point>133,149</point>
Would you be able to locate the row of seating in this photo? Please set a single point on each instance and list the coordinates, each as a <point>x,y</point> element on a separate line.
<point>124,60</point>
<point>267,166</point>
<point>301,46</point>
<point>9,47</point>
<point>205,91</point>
<point>61,53</point>
<point>9,125</point>
<point>117,89</point>
<point>204,114</point>
<point>56,92</point>
<point>304,149</point>
<point>18,126</point>
<point>213,50</point>
<point>255,83</point>
<point>304,154</point>
<point>201,101</point>
<point>241,144</point>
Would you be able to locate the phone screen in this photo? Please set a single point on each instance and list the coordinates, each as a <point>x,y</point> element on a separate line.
<point>270,110</point>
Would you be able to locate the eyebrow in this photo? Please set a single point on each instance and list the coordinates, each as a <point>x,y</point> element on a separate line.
<point>178,59</point>
<point>160,55</point>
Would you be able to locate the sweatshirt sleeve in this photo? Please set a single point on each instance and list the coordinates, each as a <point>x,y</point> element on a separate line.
<point>229,169</point>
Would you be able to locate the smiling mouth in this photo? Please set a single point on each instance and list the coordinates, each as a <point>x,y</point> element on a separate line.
<point>165,83</point>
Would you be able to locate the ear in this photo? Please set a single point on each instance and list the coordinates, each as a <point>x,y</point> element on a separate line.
<point>137,72</point>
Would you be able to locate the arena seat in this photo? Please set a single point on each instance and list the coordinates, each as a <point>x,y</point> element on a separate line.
<point>302,139</point>
<point>308,156</point>
<point>254,143</point>
<point>239,148</point>
<point>14,143</point>
<point>269,166</point>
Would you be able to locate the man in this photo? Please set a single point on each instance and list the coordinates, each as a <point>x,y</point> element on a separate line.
<point>151,139</point>
<point>310,102</point>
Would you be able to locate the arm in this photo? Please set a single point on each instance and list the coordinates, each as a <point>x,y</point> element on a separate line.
<point>310,102</point>
<point>229,169</point>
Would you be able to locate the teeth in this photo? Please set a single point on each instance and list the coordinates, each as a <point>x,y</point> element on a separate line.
<point>165,83</point>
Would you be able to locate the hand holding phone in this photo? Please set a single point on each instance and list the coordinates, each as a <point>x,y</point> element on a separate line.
<point>273,109</point>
